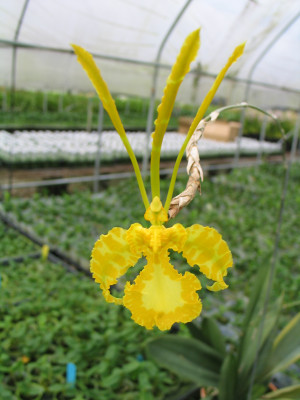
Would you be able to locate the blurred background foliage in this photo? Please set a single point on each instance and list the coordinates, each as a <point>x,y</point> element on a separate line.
<point>50,110</point>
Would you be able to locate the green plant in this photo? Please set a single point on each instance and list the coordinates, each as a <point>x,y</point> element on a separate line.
<point>241,204</point>
<point>244,367</point>
<point>49,317</point>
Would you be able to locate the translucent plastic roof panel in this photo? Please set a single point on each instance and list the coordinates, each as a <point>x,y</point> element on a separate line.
<point>134,30</point>
<point>10,12</point>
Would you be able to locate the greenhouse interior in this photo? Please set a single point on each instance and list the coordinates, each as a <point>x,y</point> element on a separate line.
<point>150,200</point>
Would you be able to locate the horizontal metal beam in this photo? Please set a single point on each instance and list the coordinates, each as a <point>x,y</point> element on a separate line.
<point>120,175</point>
<point>55,254</point>
<point>16,259</point>
<point>65,181</point>
<point>30,46</point>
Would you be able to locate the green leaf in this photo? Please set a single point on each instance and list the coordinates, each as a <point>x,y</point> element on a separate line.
<point>146,395</point>
<point>144,382</point>
<point>258,295</point>
<point>290,392</point>
<point>286,349</point>
<point>57,388</point>
<point>258,391</point>
<point>30,389</point>
<point>228,377</point>
<point>112,381</point>
<point>184,393</point>
<point>6,394</point>
<point>249,344</point>
<point>264,356</point>
<point>131,367</point>
<point>213,336</point>
<point>188,358</point>
<point>195,330</point>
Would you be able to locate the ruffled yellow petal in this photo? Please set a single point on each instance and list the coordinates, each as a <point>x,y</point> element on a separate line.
<point>215,287</point>
<point>148,241</point>
<point>206,248</point>
<point>137,237</point>
<point>176,237</point>
<point>111,258</point>
<point>161,296</point>
<point>156,238</point>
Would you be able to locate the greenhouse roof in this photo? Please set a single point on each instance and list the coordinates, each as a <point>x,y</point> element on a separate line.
<point>127,35</point>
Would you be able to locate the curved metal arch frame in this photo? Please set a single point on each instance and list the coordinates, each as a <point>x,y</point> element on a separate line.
<point>14,54</point>
<point>250,75</point>
<point>154,84</point>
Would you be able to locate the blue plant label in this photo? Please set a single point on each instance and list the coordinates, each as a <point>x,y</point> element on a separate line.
<point>71,374</point>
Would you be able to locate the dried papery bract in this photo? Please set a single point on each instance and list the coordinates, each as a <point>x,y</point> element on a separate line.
<point>159,295</point>
<point>238,51</point>
<point>193,169</point>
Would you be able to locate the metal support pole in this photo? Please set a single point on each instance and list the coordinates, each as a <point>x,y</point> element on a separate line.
<point>45,102</point>
<point>4,100</point>
<point>154,86</point>
<point>14,56</point>
<point>295,141</point>
<point>144,107</point>
<point>89,112</point>
<point>284,191</point>
<point>127,106</point>
<point>61,103</point>
<point>10,174</point>
<point>249,79</point>
<point>262,136</point>
<point>98,154</point>
<point>239,137</point>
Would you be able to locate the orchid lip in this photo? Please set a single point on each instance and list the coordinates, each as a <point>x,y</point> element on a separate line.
<point>160,295</point>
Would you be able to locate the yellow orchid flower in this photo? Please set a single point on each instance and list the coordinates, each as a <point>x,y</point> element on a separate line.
<point>159,295</point>
<point>45,252</point>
